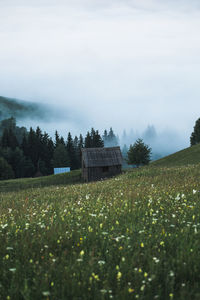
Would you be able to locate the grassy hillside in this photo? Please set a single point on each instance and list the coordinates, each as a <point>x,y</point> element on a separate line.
<point>187,156</point>
<point>135,236</point>
<point>25,183</point>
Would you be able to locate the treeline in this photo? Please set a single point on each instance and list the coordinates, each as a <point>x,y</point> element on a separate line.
<point>33,153</point>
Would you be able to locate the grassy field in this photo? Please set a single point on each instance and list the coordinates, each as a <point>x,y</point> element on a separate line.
<point>28,183</point>
<point>184,157</point>
<point>135,236</point>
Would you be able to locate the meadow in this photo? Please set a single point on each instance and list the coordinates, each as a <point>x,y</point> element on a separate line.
<point>135,236</point>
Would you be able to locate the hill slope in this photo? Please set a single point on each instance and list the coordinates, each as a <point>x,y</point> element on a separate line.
<point>186,156</point>
<point>39,182</point>
<point>135,236</point>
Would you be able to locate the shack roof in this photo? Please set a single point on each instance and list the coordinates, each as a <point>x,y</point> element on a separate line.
<point>101,157</point>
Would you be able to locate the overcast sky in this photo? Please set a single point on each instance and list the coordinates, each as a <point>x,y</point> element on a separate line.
<point>121,63</point>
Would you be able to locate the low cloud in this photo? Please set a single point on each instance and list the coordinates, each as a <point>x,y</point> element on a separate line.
<point>118,63</point>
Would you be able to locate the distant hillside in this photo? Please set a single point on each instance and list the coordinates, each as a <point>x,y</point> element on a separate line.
<point>187,156</point>
<point>19,109</point>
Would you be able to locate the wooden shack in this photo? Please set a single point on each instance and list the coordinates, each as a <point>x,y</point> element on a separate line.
<point>99,163</point>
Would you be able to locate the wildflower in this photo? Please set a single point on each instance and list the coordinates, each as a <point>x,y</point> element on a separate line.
<point>156,260</point>
<point>119,275</point>
<point>82,253</point>
<point>171,295</point>
<point>123,259</point>
<point>46,293</point>
<point>142,245</point>
<point>145,274</point>
<point>79,260</point>
<point>101,262</point>
<point>9,248</point>
<point>90,229</point>
<point>93,215</point>
<point>130,290</point>
<point>12,270</point>
<point>95,276</point>
<point>142,288</point>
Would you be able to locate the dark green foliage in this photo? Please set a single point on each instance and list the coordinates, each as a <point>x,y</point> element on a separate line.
<point>195,136</point>
<point>58,140</point>
<point>97,140</point>
<point>93,139</point>
<point>139,153</point>
<point>6,171</point>
<point>33,150</point>
<point>10,124</point>
<point>71,152</point>
<point>61,157</point>
<point>9,139</point>
<point>28,168</point>
<point>47,153</point>
<point>34,153</point>
<point>7,123</point>
<point>88,141</point>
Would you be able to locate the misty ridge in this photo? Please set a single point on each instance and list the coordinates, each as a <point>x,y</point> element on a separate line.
<point>162,143</point>
<point>23,110</point>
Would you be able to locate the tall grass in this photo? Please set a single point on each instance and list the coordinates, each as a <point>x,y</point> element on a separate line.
<point>135,236</point>
<point>25,183</point>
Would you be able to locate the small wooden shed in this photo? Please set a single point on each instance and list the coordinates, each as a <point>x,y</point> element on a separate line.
<point>99,163</point>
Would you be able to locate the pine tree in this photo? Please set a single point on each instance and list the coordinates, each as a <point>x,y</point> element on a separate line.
<point>33,151</point>
<point>24,145</point>
<point>97,140</point>
<point>80,146</point>
<point>46,155</point>
<point>5,138</point>
<point>71,151</point>
<point>88,140</point>
<point>57,139</point>
<point>93,139</point>
<point>195,136</point>
<point>105,137</point>
<point>9,139</point>
<point>139,153</point>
